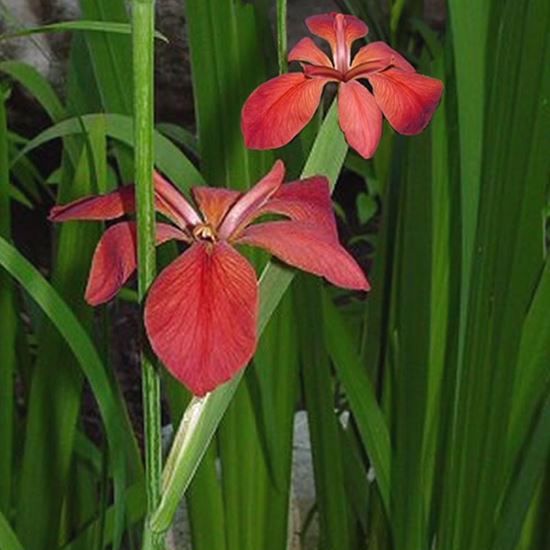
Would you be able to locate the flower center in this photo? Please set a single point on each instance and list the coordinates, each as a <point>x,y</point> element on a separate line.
<point>204,232</point>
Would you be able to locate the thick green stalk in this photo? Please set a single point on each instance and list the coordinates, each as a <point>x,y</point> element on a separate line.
<point>143,17</point>
<point>281,36</point>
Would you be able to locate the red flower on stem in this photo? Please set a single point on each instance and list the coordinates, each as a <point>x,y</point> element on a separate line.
<point>201,311</point>
<point>278,109</point>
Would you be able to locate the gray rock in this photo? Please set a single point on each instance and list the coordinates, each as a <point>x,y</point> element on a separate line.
<point>36,51</point>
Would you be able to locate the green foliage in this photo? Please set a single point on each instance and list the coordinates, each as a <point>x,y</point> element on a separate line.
<point>8,539</point>
<point>82,25</point>
<point>8,327</point>
<point>427,400</point>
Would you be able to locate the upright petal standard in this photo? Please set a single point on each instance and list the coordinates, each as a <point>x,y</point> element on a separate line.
<point>280,108</point>
<point>201,311</point>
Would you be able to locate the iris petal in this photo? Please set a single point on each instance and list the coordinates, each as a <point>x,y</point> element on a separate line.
<point>168,200</point>
<point>115,259</point>
<point>98,207</point>
<point>325,25</point>
<point>306,50</point>
<point>201,315</point>
<point>244,210</point>
<point>408,100</point>
<point>214,202</point>
<point>279,109</point>
<point>301,245</point>
<point>305,200</point>
<point>360,118</point>
<point>378,56</point>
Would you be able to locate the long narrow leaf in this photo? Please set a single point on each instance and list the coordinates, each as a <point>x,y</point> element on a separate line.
<point>524,484</point>
<point>359,390</point>
<point>79,342</point>
<point>37,85</point>
<point>8,539</point>
<point>328,460</point>
<point>80,25</point>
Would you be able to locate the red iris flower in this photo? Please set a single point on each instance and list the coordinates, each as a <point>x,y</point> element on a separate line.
<point>278,109</point>
<point>201,311</point>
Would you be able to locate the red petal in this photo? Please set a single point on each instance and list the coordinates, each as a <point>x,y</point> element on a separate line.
<point>114,259</point>
<point>278,109</point>
<point>302,245</point>
<point>378,56</point>
<point>172,203</point>
<point>360,117</point>
<point>305,201</point>
<point>99,207</point>
<point>325,27</point>
<point>249,203</point>
<point>201,315</point>
<point>214,203</point>
<point>408,100</point>
<point>306,50</point>
<point>168,200</point>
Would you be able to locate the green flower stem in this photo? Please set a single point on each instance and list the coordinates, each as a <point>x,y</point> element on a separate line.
<point>282,45</point>
<point>143,21</point>
<point>202,416</point>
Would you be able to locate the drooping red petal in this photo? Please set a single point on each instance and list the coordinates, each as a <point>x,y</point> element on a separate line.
<point>114,259</point>
<point>249,203</point>
<point>278,109</point>
<point>378,56</point>
<point>302,245</point>
<point>325,26</point>
<point>408,100</point>
<point>201,315</point>
<point>306,50</point>
<point>360,117</point>
<point>307,201</point>
<point>214,203</point>
<point>97,207</point>
<point>171,202</point>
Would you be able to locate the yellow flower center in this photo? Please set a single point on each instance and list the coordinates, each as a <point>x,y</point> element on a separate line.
<point>204,232</point>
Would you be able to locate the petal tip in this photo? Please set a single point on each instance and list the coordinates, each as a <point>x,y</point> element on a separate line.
<point>53,215</point>
<point>200,388</point>
<point>60,213</point>
<point>365,285</point>
<point>94,299</point>
<point>99,289</point>
<point>357,280</point>
<point>278,170</point>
